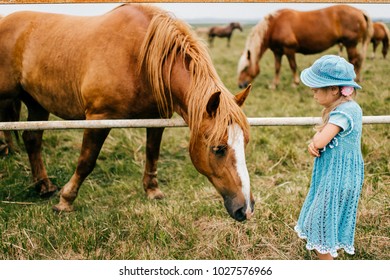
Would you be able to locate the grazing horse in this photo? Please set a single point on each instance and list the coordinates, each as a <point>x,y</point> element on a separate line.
<point>223,32</point>
<point>287,32</point>
<point>381,34</point>
<point>135,61</point>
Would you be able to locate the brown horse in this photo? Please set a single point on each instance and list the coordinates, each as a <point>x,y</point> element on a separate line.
<point>287,32</point>
<point>133,62</point>
<point>223,32</point>
<point>381,34</point>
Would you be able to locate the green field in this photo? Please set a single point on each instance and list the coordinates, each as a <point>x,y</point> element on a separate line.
<point>114,220</point>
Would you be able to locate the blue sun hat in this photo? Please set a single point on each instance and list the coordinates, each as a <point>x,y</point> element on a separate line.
<point>330,70</point>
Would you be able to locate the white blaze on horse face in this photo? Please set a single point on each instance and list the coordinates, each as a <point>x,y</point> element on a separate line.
<point>236,143</point>
<point>242,63</point>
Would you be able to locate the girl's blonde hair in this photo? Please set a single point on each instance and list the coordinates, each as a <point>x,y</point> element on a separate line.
<point>326,111</point>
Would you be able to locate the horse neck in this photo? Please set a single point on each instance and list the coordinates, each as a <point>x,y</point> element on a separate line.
<point>191,87</point>
<point>259,41</point>
<point>179,81</point>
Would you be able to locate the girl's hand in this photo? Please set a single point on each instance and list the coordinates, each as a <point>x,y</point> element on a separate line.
<point>313,151</point>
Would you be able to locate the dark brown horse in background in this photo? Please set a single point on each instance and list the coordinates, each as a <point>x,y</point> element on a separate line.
<point>381,35</point>
<point>133,62</point>
<point>223,32</point>
<point>287,32</point>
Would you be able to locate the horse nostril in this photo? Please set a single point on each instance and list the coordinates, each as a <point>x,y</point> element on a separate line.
<point>243,85</point>
<point>240,214</point>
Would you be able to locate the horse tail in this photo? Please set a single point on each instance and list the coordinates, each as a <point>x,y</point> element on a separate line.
<point>369,32</point>
<point>385,40</point>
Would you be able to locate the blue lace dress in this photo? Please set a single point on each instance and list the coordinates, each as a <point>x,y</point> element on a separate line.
<point>328,216</point>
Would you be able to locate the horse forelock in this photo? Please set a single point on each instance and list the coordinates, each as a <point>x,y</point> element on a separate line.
<point>167,36</point>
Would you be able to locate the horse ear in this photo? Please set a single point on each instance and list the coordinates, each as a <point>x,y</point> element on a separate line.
<point>213,104</point>
<point>241,96</point>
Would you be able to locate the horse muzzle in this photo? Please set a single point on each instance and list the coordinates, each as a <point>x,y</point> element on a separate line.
<point>243,84</point>
<point>239,211</point>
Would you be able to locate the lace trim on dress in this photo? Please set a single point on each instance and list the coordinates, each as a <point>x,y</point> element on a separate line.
<point>343,133</point>
<point>322,249</point>
<point>333,143</point>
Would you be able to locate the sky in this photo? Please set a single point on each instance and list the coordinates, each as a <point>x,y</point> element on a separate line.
<point>193,11</point>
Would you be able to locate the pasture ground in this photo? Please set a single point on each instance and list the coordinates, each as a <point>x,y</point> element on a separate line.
<point>114,220</point>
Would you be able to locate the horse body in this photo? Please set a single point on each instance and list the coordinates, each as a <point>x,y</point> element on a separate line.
<point>73,57</point>
<point>223,32</point>
<point>133,62</point>
<point>287,32</point>
<point>381,35</point>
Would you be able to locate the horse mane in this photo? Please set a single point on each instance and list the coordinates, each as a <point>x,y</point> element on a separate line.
<point>368,34</point>
<point>168,37</point>
<point>256,37</point>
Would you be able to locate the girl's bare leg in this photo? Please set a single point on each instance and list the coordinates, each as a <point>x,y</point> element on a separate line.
<point>324,256</point>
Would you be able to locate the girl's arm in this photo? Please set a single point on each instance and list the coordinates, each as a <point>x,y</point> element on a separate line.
<point>322,138</point>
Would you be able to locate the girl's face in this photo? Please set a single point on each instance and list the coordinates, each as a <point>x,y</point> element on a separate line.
<point>326,96</point>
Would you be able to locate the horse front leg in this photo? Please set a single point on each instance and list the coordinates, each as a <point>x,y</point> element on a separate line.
<point>278,63</point>
<point>93,140</point>
<point>33,143</point>
<point>228,41</point>
<point>293,66</point>
<point>150,183</point>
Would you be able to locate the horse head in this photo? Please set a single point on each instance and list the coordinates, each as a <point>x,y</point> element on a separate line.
<point>236,25</point>
<point>247,69</point>
<point>218,151</point>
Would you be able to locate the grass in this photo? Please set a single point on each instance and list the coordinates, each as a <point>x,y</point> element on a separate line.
<point>114,220</point>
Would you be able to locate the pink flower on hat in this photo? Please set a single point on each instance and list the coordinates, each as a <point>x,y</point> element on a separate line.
<point>347,91</point>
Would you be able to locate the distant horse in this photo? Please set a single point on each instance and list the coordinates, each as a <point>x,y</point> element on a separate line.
<point>381,34</point>
<point>137,62</point>
<point>223,32</point>
<point>287,32</point>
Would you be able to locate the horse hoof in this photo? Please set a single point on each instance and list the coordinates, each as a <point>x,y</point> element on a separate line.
<point>46,190</point>
<point>154,194</point>
<point>61,207</point>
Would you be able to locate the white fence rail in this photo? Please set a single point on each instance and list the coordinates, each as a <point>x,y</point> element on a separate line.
<point>142,123</point>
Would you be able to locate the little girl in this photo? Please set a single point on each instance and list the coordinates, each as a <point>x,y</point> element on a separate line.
<point>328,216</point>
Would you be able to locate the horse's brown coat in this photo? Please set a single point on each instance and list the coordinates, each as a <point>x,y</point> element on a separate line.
<point>381,35</point>
<point>133,62</point>
<point>223,32</point>
<point>287,32</point>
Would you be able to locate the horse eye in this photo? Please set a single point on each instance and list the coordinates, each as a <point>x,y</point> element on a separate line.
<point>219,150</point>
